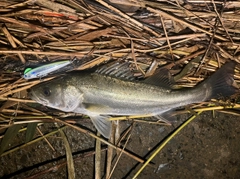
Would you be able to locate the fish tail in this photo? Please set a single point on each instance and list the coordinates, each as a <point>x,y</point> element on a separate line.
<point>221,83</point>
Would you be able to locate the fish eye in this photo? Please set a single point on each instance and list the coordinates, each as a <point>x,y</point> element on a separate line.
<point>46,91</point>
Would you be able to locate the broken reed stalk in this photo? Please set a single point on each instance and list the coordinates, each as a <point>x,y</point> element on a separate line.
<point>120,154</point>
<point>12,42</point>
<point>46,140</point>
<point>98,158</point>
<point>110,151</point>
<point>17,99</point>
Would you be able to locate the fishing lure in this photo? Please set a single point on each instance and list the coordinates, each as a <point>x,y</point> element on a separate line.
<point>44,70</point>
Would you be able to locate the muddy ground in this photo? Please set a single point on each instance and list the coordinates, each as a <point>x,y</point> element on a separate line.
<point>207,148</point>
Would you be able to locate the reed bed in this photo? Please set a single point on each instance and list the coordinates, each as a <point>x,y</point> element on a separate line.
<point>191,39</point>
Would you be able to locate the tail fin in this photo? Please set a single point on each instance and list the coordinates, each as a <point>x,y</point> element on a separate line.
<point>221,82</point>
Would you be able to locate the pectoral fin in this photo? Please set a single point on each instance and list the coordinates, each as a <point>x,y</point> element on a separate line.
<point>102,124</point>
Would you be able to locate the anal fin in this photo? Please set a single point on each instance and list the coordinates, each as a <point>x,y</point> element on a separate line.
<point>102,124</point>
<point>166,117</point>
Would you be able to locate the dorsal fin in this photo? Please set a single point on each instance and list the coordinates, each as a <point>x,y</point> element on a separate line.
<point>161,78</point>
<point>117,70</point>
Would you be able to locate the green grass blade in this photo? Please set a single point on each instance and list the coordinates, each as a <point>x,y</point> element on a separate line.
<point>31,129</point>
<point>70,163</point>
<point>8,137</point>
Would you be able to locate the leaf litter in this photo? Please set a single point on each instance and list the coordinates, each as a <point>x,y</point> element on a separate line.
<point>190,38</point>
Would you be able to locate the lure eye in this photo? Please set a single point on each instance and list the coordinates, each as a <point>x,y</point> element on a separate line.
<point>46,91</point>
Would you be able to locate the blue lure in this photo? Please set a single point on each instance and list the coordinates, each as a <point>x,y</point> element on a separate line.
<point>44,70</point>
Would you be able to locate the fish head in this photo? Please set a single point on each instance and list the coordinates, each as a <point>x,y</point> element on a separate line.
<point>56,94</point>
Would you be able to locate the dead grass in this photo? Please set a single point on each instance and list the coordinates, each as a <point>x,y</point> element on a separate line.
<point>164,34</point>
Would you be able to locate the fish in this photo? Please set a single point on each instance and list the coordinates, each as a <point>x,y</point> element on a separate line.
<point>44,70</point>
<point>113,90</point>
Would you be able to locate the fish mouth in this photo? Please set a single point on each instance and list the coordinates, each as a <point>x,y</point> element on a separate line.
<point>36,98</point>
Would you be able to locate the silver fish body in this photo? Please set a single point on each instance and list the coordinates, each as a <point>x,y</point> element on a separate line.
<point>111,96</point>
<point>99,95</point>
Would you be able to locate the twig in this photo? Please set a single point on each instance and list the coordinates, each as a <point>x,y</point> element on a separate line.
<point>50,145</point>
<point>121,152</point>
<point>221,21</point>
<point>98,158</point>
<point>166,34</point>
<point>110,150</point>
<point>17,99</point>
<point>208,48</point>
<point>78,54</point>
<point>152,39</point>
<point>161,12</point>
<point>12,42</point>
<point>128,17</point>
